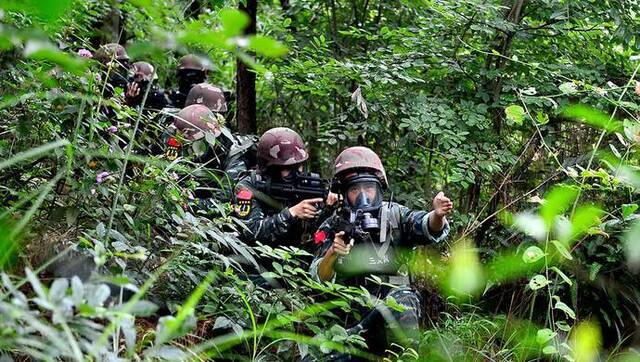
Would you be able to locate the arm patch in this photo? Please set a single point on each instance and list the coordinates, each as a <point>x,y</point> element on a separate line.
<point>243,204</point>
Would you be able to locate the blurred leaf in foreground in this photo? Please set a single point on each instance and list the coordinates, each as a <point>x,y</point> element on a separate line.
<point>593,117</point>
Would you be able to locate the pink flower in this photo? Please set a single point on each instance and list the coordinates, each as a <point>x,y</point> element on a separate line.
<point>190,196</point>
<point>85,53</point>
<point>113,129</point>
<point>101,177</point>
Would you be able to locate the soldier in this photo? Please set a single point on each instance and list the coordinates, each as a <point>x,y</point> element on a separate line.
<point>281,157</point>
<point>115,59</point>
<point>192,70</point>
<point>141,75</point>
<point>200,136</point>
<point>364,237</point>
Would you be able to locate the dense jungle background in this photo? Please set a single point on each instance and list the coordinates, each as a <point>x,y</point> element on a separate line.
<point>524,112</point>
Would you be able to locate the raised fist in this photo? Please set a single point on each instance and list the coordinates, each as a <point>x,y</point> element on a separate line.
<point>442,206</point>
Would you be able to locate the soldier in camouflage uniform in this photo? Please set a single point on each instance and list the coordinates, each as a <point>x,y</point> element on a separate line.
<point>281,154</point>
<point>115,61</point>
<point>141,75</point>
<point>192,70</point>
<point>200,136</point>
<point>364,238</point>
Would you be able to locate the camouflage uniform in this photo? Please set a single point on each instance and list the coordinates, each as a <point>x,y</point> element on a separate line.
<point>269,221</point>
<point>400,230</point>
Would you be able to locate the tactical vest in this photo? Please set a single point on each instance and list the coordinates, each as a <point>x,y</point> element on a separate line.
<point>376,257</point>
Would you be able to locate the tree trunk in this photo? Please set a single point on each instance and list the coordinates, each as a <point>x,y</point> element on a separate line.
<point>501,43</point>
<point>246,80</point>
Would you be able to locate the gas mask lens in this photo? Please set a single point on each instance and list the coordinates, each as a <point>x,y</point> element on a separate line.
<point>364,196</point>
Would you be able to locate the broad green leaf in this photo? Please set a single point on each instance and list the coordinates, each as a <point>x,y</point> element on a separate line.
<point>549,350</point>
<point>97,295</point>
<point>557,201</point>
<point>632,246</point>
<point>629,176</point>
<point>592,117</point>
<point>166,353</point>
<point>48,11</point>
<point>628,210</point>
<point>393,304</point>
<point>632,130</point>
<point>538,281</point>
<point>562,275</point>
<point>465,274</point>
<point>563,326</point>
<point>143,308</point>
<point>222,322</point>
<point>532,254</point>
<point>208,38</point>
<point>562,249</point>
<point>128,328</point>
<point>509,266</point>
<point>594,269</point>
<point>568,88</point>
<point>584,218</point>
<point>233,21</point>
<point>515,113</point>
<point>267,46</point>
<point>542,117</point>
<point>170,327</point>
<point>566,309</point>
<point>544,335</point>
<point>8,245</point>
<point>77,290</point>
<point>39,50</point>
<point>58,289</point>
<point>615,150</point>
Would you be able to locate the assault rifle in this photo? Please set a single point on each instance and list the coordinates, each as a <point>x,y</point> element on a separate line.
<point>304,186</point>
<point>359,228</point>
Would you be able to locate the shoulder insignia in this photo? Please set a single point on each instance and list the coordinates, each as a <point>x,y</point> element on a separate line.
<point>243,206</point>
<point>173,146</point>
<point>319,236</point>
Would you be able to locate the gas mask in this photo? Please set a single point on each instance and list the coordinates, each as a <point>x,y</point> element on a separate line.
<point>363,199</point>
<point>187,78</point>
